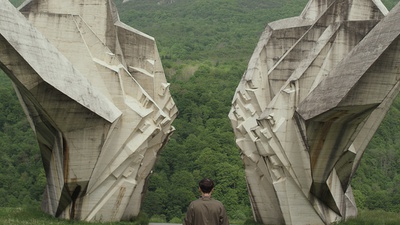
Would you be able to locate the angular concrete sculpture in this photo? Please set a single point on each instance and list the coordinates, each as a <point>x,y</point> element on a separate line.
<point>97,99</point>
<point>315,91</point>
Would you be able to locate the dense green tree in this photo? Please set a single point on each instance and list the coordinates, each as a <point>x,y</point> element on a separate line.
<point>21,173</point>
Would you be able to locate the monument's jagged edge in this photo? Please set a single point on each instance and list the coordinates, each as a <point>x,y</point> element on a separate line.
<point>96,96</point>
<point>315,91</point>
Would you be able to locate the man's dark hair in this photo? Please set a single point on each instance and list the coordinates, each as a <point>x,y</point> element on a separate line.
<point>206,185</point>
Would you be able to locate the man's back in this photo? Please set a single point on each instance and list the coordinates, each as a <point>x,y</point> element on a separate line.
<point>206,211</point>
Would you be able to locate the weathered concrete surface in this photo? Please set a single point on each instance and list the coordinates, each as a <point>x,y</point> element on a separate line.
<point>315,91</point>
<point>96,96</point>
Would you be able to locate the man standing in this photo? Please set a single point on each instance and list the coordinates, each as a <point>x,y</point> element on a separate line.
<point>206,210</point>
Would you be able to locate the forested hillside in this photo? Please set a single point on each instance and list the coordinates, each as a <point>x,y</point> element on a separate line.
<point>205,46</point>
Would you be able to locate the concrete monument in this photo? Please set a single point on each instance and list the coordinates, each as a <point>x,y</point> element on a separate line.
<point>96,96</point>
<point>315,91</point>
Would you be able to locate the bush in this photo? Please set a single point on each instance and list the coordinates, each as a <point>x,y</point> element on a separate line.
<point>158,219</point>
<point>141,219</point>
<point>175,220</point>
<point>251,222</point>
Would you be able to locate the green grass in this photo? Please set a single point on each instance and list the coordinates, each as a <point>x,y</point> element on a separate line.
<point>365,217</point>
<point>34,216</point>
<point>374,217</point>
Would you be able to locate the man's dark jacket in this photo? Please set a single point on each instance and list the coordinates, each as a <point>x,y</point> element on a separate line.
<point>206,211</point>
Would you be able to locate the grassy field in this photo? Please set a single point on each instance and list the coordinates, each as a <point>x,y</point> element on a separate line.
<point>34,216</point>
<point>376,217</point>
